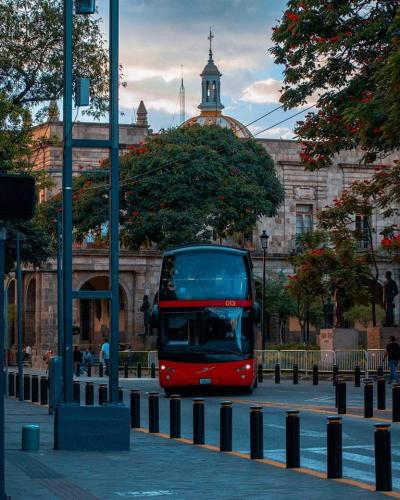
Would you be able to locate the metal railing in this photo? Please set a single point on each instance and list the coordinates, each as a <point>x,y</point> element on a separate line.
<point>346,360</point>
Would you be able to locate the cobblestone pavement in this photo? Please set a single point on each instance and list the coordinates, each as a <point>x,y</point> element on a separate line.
<point>157,466</point>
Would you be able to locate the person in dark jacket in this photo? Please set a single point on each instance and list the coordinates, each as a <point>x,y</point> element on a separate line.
<point>393,355</point>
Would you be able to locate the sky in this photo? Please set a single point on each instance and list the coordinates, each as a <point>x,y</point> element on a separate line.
<point>158,37</point>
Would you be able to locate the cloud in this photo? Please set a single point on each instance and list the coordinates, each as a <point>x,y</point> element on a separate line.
<point>263,91</point>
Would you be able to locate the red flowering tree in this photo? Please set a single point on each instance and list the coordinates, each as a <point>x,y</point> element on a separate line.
<point>327,259</point>
<point>345,56</point>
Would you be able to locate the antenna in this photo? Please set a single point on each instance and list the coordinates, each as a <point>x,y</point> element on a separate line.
<point>182,99</point>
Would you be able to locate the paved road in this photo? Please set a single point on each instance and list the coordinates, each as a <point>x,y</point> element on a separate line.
<point>220,474</point>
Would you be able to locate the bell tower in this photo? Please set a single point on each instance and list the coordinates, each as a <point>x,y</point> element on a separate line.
<point>211,86</point>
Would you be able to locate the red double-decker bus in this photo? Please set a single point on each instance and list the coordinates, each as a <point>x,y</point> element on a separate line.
<point>206,314</point>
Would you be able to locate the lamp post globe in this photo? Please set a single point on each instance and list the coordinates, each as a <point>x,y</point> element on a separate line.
<point>264,245</point>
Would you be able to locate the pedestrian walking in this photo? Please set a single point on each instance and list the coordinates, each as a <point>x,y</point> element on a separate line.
<point>393,355</point>
<point>105,354</point>
<point>46,358</point>
<point>77,359</point>
<point>87,358</point>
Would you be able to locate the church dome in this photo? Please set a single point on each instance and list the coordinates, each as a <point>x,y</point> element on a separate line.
<point>221,120</point>
<point>211,106</point>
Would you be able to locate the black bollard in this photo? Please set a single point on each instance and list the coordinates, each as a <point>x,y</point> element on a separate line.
<point>77,392</point>
<point>120,395</point>
<point>396,403</point>
<point>102,394</point>
<point>383,459</point>
<point>334,448</point>
<point>153,370</point>
<point>78,369</point>
<point>315,375</point>
<point>44,387</point>
<point>89,394</point>
<point>357,376</point>
<point>101,369</point>
<point>295,374</point>
<point>35,389</point>
<point>175,416</point>
<point>17,394</point>
<point>292,439</point>
<point>11,384</point>
<point>135,408</point>
<point>27,387</point>
<point>89,370</point>
<point>380,371</point>
<point>368,398</point>
<point>225,426</point>
<point>256,432</point>
<point>335,374</point>
<point>198,421</point>
<point>154,417</point>
<point>341,397</point>
<point>381,393</point>
<point>277,374</point>
<point>260,373</point>
<point>126,369</point>
<point>139,370</point>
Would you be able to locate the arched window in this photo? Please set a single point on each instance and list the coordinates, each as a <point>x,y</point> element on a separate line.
<point>208,91</point>
<point>214,91</point>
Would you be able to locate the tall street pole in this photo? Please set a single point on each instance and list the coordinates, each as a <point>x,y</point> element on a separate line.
<point>67,205</point>
<point>19,321</point>
<point>263,304</point>
<point>114,201</point>
<point>60,330</point>
<point>3,236</point>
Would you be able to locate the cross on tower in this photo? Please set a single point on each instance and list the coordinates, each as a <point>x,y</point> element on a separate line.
<point>210,37</point>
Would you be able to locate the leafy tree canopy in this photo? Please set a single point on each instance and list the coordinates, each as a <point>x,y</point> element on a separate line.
<point>31,33</point>
<point>345,55</point>
<point>183,186</point>
<point>31,62</point>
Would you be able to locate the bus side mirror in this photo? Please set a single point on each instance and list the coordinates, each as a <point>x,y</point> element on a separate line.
<point>256,312</point>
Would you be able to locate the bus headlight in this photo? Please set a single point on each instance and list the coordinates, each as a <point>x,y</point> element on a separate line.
<point>244,367</point>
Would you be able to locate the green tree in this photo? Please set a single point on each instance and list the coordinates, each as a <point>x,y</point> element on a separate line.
<point>183,186</point>
<point>31,33</point>
<point>345,56</point>
<point>31,62</point>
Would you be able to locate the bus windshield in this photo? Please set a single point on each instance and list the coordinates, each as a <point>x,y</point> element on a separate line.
<point>216,330</point>
<point>204,275</point>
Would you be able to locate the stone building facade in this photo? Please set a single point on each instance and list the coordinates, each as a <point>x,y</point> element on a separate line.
<point>305,193</point>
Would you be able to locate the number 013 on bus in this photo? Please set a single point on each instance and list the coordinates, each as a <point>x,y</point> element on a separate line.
<point>206,313</point>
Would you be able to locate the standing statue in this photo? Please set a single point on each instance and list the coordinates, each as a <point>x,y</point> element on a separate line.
<point>328,310</point>
<point>390,291</point>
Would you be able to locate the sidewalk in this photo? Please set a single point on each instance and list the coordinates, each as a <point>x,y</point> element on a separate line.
<point>154,467</point>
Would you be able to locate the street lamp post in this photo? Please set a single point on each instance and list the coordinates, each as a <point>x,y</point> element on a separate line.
<point>264,245</point>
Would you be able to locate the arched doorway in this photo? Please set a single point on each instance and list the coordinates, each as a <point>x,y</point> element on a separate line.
<point>94,316</point>
<point>29,336</point>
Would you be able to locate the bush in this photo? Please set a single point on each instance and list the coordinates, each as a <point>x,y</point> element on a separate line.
<point>363,314</point>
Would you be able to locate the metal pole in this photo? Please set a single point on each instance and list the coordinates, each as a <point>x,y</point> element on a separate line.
<point>3,236</point>
<point>60,331</point>
<point>114,201</point>
<point>20,387</point>
<point>67,205</point>
<point>263,304</point>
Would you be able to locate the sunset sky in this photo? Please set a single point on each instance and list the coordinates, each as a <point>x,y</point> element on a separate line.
<point>158,36</point>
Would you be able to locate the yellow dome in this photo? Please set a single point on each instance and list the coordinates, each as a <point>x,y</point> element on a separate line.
<point>218,119</point>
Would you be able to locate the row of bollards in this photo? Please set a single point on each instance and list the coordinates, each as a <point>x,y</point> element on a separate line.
<point>315,374</point>
<point>139,370</point>
<point>35,388</point>
<point>382,438</point>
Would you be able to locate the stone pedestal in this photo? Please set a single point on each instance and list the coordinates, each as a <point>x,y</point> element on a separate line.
<point>326,339</point>
<point>345,339</point>
<point>373,337</point>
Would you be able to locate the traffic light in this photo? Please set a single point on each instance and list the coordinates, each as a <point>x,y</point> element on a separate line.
<point>17,197</point>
